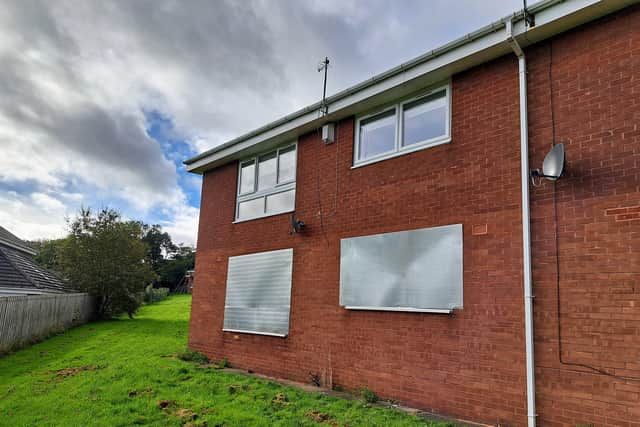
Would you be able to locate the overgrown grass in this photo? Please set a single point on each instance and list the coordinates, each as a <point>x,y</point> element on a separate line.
<point>126,372</point>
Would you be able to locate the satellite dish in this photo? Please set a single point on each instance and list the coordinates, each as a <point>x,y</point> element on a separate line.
<point>553,164</point>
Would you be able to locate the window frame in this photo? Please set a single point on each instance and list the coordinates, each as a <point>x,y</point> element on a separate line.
<point>382,112</point>
<point>399,149</point>
<point>280,187</point>
<point>255,177</point>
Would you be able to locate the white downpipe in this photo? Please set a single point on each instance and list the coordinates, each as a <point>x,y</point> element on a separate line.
<point>526,234</point>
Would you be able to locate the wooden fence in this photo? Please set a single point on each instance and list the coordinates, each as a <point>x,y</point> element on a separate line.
<point>28,319</point>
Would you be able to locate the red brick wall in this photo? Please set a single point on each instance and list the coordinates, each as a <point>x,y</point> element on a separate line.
<point>469,364</point>
<point>595,72</point>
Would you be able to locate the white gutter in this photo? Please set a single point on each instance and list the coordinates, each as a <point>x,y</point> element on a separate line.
<point>526,233</point>
<point>436,66</point>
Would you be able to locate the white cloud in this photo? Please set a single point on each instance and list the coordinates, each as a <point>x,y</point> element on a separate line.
<point>77,78</point>
<point>31,218</point>
<point>47,204</point>
<point>184,226</point>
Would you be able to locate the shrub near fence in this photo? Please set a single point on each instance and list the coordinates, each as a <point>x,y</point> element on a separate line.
<point>152,294</point>
<point>28,319</point>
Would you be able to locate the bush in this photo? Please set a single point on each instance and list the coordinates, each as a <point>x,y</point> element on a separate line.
<point>152,294</point>
<point>104,256</point>
<point>369,396</point>
<point>192,356</point>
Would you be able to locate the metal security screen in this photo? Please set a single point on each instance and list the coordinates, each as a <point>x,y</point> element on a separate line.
<point>417,270</point>
<point>259,293</point>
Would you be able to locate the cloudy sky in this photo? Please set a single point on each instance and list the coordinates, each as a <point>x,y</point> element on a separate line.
<point>101,101</point>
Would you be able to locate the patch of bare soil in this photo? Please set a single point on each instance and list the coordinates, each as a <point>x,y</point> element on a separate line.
<point>280,399</point>
<point>234,388</point>
<point>144,391</point>
<point>165,404</point>
<point>318,416</point>
<point>62,374</point>
<point>187,416</point>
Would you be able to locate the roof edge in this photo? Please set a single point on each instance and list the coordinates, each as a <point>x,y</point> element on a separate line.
<point>20,248</point>
<point>205,160</point>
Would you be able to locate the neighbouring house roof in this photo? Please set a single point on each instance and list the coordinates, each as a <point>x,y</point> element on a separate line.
<point>19,273</point>
<point>551,17</point>
<point>9,239</point>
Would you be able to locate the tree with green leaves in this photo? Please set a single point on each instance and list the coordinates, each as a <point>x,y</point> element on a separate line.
<point>159,244</point>
<point>106,257</point>
<point>169,261</point>
<point>174,269</point>
<point>47,253</point>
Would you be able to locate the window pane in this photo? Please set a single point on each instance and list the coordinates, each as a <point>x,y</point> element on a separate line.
<point>425,119</point>
<point>247,175</point>
<point>251,208</point>
<point>377,134</point>
<point>267,171</point>
<point>287,165</point>
<point>281,202</point>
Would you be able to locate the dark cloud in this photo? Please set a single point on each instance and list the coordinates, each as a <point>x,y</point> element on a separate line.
<point>77,77</point>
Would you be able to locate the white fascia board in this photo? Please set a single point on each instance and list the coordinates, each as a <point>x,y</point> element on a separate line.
<point>552,17</point>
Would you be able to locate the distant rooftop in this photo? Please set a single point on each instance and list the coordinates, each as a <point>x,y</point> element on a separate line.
<point>19,273</point>
<point>9,239</point>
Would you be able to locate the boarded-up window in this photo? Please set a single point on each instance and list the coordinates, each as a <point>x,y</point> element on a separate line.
<point>258,297</point>
<point>417,270</point>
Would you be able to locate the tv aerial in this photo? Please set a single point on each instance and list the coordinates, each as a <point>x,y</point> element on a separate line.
<point>324,66</point>
<point>529,18</point>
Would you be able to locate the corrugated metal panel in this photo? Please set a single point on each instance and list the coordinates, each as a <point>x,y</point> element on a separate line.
<point>417,270</point>
<point>259,293</point>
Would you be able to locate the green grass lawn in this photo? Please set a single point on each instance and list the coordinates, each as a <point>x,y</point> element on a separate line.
<point>116,373</point>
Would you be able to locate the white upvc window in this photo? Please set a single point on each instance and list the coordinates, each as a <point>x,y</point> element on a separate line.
<point>413,124</point>
<point>267,184</point>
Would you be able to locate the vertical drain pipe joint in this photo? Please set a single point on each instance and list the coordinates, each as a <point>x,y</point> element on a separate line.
<point>526,223</point>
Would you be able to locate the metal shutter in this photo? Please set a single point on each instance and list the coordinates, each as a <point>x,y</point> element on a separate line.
<point>258,297</point>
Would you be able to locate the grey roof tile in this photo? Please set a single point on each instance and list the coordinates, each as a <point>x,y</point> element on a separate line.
<point>17,269</point>
<point>7,237</point>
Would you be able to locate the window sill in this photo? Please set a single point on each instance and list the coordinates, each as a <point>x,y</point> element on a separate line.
<point>238,221</point>
<point>403,309</point>
<point>269,334</point>
<point>394,154</point>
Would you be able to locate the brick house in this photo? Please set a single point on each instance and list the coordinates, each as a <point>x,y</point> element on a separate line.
<point>410,275</point>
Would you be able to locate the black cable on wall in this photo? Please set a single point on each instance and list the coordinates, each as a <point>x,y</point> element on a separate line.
<point>595,370</point>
